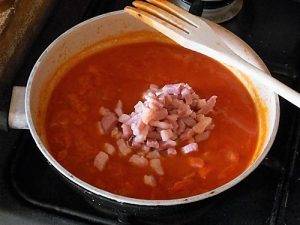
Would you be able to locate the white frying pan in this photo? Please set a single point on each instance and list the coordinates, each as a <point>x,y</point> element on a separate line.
<point>112,24</point>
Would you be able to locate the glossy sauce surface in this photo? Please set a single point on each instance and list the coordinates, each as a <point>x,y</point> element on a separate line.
<point>125,72</point>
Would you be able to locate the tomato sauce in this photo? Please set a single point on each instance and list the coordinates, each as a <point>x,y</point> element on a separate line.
<point>124,72</point>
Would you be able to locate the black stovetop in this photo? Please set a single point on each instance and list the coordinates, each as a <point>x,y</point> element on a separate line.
<point>31,192</point>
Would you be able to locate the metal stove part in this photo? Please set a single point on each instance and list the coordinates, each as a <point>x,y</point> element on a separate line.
<point>215,10</point>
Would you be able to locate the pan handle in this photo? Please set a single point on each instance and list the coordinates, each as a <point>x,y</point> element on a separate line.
<point>16,116</point>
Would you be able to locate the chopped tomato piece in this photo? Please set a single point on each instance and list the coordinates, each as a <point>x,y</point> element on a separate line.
<point>196,162</point>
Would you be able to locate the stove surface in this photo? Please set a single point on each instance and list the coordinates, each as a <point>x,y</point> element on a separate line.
<point>31,192</point>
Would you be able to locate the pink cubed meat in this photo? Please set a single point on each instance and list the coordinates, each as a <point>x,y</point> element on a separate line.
<point>109,149</point>
<point>123,148</point>
<point>155,164</point>
<point>166,134</point>
<point>101,160</point>
<point>108,122</point>
<point>152,143</point>
<point>138,160</point>
<point>118,109</point>
<point>192,147</point>
<point>126,130</point>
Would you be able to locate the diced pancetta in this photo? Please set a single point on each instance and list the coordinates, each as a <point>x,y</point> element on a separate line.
<point>147,115</point>
<point>155,103</point>
<point>109,148</point>
<point>166,134</point>
<point>140,131</point>
<point>162,125</point>
<point>192,147</point>
<point>173,89</point>
<point>187,134</point>
<point>202,137</point>
<point>100,128</point>
<point>115,133</point>
<point>189,121</point>
<point>208,107</point>
<point>203,123</point>
<point>126,130</point>
<point>145,148</point>
<point>181,127</point>
<point>134,118</point>
<point>167,144</point>
<point>153,87</point>
<point>136,144</point>
<point>153,154</point>
<point>124,118</point>
<point>118,109</point>
<point>152,143</point>
<point>123,148</point>
<point>165,117</point>
<point>101,160</point>
<point>171,151</point>
<point>154,135</point>
<point>139,107</point>
<point>138,160</point>
<point>155,164</point>
<point>173,117</point>
<point>108,122</point>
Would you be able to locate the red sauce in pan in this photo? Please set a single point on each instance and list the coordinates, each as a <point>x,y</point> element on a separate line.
<point>125,72</point>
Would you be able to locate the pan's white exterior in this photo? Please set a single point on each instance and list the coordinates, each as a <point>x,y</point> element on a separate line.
<point>96,29</point>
